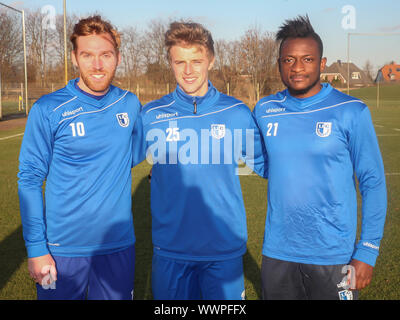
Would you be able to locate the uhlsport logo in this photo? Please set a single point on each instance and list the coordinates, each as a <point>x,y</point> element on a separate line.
<point>123,119</point>
<point>72,113</point>
<point>218,131</point>
<point>323,129</point>
<point>166,115</point>
<point>271,110</point>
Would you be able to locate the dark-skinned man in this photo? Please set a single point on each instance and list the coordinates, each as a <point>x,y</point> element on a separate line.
<point>318,141</point>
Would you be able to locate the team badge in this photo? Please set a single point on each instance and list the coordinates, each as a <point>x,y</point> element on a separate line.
<point>345,295</point>
<point>218,131</point>
<point>123,119</point>
<point>323,129</point>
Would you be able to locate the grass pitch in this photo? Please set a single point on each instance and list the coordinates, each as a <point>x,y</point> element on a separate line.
<point>16,284</point>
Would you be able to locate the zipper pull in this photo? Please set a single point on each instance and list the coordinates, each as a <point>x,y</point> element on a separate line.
<point>195,106</point>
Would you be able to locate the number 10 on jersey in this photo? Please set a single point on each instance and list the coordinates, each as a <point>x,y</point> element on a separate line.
<point>78,129</point>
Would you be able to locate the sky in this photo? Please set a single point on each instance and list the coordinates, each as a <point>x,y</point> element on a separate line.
<point>229,20</point>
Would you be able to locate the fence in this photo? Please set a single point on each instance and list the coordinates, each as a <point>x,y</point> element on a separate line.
<point>13,103</point>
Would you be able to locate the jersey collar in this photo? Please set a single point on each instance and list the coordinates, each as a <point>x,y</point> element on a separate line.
<point>304,103</point>
<point>111,94</point>
<point>202,102</point>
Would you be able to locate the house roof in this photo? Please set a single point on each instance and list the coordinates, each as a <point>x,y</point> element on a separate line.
<point>391,72</point>
<point>340,67</point>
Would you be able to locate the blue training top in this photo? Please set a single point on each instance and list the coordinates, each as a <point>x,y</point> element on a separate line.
<point>196,199</point>
<point>316,148</point>
<point>82,148</point>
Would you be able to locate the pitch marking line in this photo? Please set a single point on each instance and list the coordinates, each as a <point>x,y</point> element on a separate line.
<point>9,137</point>
<point>386,174</point>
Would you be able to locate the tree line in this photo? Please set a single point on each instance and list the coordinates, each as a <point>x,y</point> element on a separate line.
<point>245,67</point>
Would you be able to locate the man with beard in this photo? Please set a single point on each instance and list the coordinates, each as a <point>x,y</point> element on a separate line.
<point>318,141</point>
<point>80,240</point>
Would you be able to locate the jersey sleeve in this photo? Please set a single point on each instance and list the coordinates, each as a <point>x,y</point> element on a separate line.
<point>368,166</point>
<point>138,141</point>
<point>34,160</point>
<point>254,153</point>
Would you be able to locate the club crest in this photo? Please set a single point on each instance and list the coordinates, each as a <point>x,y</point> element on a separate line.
<point>345,295</point>
<point>123,119</point>
<point>323,129</point>
<point>218,131</point>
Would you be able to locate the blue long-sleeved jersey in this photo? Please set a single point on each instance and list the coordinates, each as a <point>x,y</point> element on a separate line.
<point>196,200</point>
<point>82,148</point>
<point>316,147</point>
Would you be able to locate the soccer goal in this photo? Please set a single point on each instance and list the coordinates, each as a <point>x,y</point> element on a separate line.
<point>384,76</point>
<point>13,63</point>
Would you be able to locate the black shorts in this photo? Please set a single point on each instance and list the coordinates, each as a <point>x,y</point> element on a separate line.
<point>284,280</point>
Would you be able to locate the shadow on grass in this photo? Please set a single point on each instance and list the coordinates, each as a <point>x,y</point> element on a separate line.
<point>12,253</point>
<point>143,246</point>
<point>252,272</point>
<point>12,116</point>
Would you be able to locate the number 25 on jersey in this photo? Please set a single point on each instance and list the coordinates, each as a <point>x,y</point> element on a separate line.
<point>172,134</point>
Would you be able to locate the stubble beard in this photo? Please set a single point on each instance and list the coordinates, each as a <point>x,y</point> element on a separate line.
<point>98,87</point>
<point>297,92</point>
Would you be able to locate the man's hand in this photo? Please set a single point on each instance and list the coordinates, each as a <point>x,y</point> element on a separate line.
<point>363,273</point>
<point>42,269</point>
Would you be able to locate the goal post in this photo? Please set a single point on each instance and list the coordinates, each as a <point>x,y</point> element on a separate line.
<point>348,57</point>
<point>25,57</point>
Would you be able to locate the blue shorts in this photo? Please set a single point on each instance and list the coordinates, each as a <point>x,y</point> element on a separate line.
<point>174,279</point>
<point>103,277</point>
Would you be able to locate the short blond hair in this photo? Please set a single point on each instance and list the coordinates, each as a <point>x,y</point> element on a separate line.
<point>95,25</point>
<point>188,33</point>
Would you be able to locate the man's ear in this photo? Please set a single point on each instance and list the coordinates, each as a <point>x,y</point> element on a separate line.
<point>73,59</point>
<point>211,63</point>
<point>323,64</point>
<point>119,58</point>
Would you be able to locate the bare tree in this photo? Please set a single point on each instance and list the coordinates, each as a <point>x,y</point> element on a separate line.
<point>249,62</point>
<point>154,53</point>
<point>227,57</point>
<point>11,58</point>
<point>39,38</point>
<point>132,55</point>
<point>368,69</point>
<point>258,58</point>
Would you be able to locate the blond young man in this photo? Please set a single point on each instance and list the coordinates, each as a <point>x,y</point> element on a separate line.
<point>196,136</point>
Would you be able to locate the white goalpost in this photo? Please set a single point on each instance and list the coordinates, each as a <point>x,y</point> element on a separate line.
<point>25,61</point>
<point>348,55</point>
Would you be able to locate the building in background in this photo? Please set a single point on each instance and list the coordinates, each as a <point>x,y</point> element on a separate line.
<point>336,74</point>
<point>389,73</point>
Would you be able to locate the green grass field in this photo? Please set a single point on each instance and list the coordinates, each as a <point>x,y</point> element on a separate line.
<point>16,284</point>
<point>11,107</point>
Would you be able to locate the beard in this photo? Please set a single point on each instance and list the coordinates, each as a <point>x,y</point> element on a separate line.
<point>297,92</point>
<point>100,86</point>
